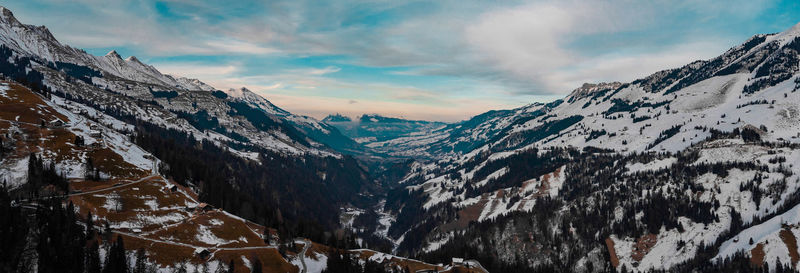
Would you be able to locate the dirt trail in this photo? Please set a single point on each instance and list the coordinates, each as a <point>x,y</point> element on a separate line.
<point>612,252</point>
<point>131,183</point>
<point>757,255</point>
<point>791,244</point>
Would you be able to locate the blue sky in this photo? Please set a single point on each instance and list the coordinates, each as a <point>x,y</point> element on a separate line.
<point>437,60</point>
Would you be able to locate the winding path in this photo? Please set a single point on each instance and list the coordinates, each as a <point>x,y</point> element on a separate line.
<point>192,246</point>
<point>131,183</point>
<point>306,245</point>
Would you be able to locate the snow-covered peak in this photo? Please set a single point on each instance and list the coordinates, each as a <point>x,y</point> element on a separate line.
<point>39,42</point>
<point>195,84</point>
<point>307,124</point>
<point>132,68</point>
<point>590,88</point>
<point>113,55</point>
<point>44,32</point>
<point>787,35</point>
<point>150,70</point>
<point>6,15</point>
<point>34,41</point>
<point>245,95</point>
<point>238,93</point>
<point>794,30</point>
<point>337,118</point>
<point>133,59</point>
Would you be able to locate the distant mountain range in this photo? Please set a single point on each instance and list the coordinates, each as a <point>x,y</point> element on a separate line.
<point>368,129</point>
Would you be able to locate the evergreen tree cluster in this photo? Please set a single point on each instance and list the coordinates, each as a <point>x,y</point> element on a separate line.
<point>343,262</point>
<point>52,238</point>
<point>41,174</point>
<point>279,191</point>
<point>17,69</point>
<point>600,197</point>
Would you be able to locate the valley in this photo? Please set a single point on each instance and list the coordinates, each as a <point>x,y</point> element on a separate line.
<point>108,163</point>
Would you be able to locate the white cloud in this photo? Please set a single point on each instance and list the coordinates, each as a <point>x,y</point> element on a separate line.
<point>628,67</point>
<point>524,41</point>
<point>196,70</point>
<point>320,106</point>
<point>222,46</point>
<point>316,71</point>
<point>531,47</point>
<point>532,44</point>
<point>507,50</point>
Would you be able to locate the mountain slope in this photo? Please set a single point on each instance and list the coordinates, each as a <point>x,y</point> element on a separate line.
<point>314,129</point>
<point>117,191</point>
<point>745,75</point>
<point>192,97</point>
<point>37,41</point>
<point>255,139</point>
<point>688,169</point>
<point>503,166</point>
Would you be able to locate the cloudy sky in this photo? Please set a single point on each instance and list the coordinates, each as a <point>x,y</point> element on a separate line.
<point>436,60</point>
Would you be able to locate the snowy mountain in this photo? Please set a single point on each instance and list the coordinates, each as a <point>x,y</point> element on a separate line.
<point>37,41</point>
<point>172,165</point>
<point>134,192</point>
<point>609,114</point>
<point>131,77</point>
<point>498,167</point>
<point>245,125</point>
<point>257,121</point>
<point>688,169</point>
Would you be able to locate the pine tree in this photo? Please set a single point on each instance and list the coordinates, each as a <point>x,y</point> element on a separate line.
<point>89,226</point>
<point>93,259</point>
<point>256,265</point>
<point>75,241</point>
<point>220,268</point>
<point>117,261</point>
<point>141,261</point>
<point>231,267</point>
<point>13,233</point>
<point>180,267</point>
<point>89,172</point>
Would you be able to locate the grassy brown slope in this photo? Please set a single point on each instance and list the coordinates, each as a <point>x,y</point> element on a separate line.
<point>144,210</point>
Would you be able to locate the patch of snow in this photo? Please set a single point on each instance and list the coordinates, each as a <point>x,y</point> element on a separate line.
<point>152,203</point>
<point>759,233</point>
<point>654,165</point>
<point>14,172</point>
<point>205,235</point>
<point>317,263</point>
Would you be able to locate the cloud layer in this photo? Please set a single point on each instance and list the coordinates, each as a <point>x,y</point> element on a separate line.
<point>441,60</point>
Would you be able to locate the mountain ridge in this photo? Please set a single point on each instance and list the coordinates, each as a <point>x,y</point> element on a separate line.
<point>687,169</point>
<point>247,129</point>
<point>116,71</point>
<point>657,124</point>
